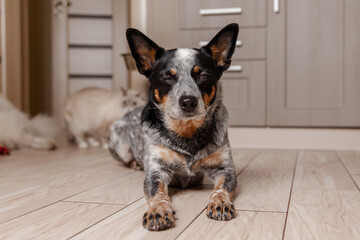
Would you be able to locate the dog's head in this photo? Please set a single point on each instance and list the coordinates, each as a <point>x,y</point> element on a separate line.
<point>184,81</point>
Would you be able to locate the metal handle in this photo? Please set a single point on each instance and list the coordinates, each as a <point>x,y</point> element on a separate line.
<point>203,43</point>
<point>220,11</point>
<point>276,6</point>
<point>235,68</point>
<point>59,5</point>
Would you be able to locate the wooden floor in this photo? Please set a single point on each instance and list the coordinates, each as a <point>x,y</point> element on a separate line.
<point>84,194</point>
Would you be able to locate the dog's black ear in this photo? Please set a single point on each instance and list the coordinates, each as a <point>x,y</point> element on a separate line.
<point>144,50</point>
<point>222,46</point>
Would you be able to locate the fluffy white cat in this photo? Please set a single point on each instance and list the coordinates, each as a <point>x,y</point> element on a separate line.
<point>90,112</point>
<point>17,130</point>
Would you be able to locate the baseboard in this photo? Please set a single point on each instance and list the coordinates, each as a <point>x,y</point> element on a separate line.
<point>295,138</point>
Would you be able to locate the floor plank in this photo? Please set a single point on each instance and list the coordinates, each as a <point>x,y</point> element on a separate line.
<point>247,225</point>
<point>126,224</point>
<point>321,170</point>
<point>351,160</point>
<point>24,177</point>
<point>56,195</point>
<point>323,214</point>
<point>27,162</point>
<point>265,184</point>
<point>58,221</point>
<point>24,201</point>
<point>124,190</point>
<point>356,179</point>
<point>242,157</point>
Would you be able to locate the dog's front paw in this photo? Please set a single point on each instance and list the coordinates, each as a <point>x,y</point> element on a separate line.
<point>133,164</point>
<point>159,217</point>
<point>220,208</point>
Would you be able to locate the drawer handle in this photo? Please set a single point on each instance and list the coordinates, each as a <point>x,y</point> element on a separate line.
<point>276,6</point>
<point>203,43</point>
<point>235,68</point>
<point>220,11</point>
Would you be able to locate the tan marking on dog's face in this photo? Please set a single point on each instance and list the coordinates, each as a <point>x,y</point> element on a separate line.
<point>207,98</point>
<point>196,69</point>
<point>184,128</point>
<point>172,72</point>
<point>158,98</point>
<point>213,160</point>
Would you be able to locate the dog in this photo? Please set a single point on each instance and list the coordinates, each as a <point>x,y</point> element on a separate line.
<point>90,111</point>
<point>18,131</point>
<point>181,134</point>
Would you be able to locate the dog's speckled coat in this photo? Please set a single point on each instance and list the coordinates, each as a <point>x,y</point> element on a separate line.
<point>174,145</point>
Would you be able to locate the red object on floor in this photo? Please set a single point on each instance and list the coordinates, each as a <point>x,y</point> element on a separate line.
<point>4,151</point>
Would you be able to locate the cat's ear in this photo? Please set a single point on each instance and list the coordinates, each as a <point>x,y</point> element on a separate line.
<point>144,50</point>
<point>123,91</point>
<point>222,46</point>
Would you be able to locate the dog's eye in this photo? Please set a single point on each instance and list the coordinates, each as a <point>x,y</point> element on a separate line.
<point>134,103</point>
<point>203,77</point>
<point>168,79</point>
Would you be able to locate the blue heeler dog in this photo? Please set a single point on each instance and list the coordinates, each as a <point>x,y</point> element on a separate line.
<point>181,134</point>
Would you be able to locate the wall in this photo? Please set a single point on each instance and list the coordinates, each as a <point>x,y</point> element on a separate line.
<point>39,22</point>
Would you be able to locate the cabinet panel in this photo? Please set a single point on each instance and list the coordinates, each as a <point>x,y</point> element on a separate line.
<point>87,31</point>
<point>314,54</point>
<point>217,14</point>
<point>92,7</point>
<point>251,43</point>
<point>312,78</point>
<point>244,93</point>
<point>90,61</point>
<point>77,84</point>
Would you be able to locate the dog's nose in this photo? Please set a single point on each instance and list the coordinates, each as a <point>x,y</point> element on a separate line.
<point>188,103</point>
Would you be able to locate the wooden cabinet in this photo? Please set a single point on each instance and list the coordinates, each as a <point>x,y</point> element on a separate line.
<point>299,66</point>
<point>251,41</point>
<point>244,93</point>
<point>313,63</point>
<point>216,14</point>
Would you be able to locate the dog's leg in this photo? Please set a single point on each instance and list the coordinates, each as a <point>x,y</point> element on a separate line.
<point>160,214</point>
<point>221,170</point>
<point>220,206</point>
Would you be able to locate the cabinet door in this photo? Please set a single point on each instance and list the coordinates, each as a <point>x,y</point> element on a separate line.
<point>313,63</point>
<point>244,92</point>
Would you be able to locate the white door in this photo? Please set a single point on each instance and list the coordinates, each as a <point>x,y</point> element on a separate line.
<point>88,38</point>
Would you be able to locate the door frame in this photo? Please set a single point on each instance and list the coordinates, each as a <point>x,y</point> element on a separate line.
<point>59,56</point>
<point>60,53</point>
<point>14,40</point>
